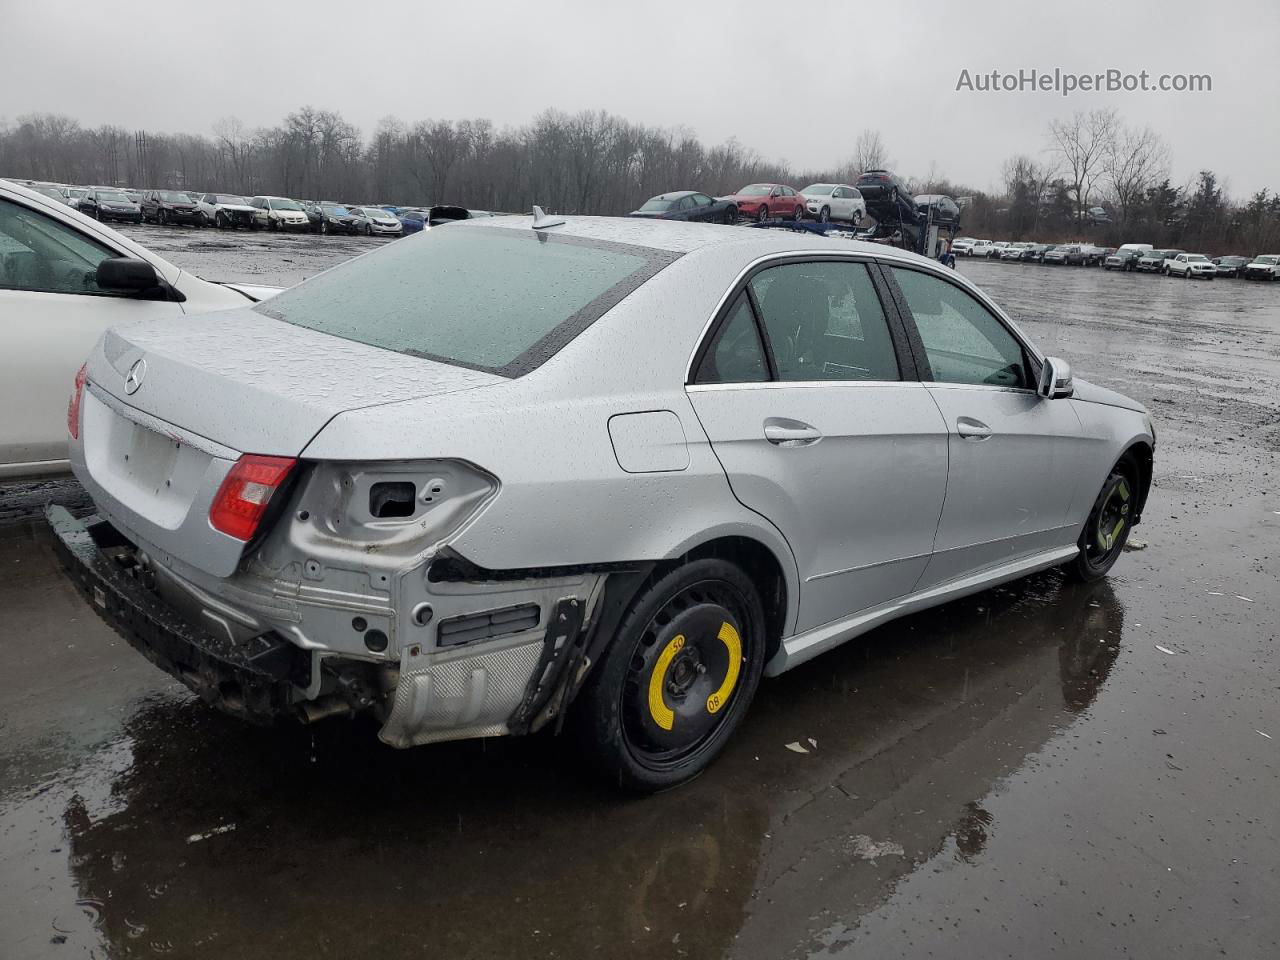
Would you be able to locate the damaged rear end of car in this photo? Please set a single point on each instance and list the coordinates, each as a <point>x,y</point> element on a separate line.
<point>273,582</point>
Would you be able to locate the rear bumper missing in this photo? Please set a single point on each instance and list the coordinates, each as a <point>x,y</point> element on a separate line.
<point>255,679</point>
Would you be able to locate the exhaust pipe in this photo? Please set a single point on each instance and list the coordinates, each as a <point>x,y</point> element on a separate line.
<point>313,711</point>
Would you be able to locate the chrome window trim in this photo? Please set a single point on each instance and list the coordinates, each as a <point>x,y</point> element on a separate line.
<point>804,384</point>
<point>890,257</point>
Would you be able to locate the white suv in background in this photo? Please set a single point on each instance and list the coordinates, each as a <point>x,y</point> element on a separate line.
<point>1264,267</point>
<point>834,201</point>
<point>1189,265</point>
<point>979,248</point>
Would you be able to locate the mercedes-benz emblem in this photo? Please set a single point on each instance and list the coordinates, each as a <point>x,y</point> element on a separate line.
<point>133,380</point>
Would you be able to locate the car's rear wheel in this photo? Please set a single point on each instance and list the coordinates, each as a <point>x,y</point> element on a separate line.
<point>163,217</point>
<point>1107,529</point>
<point>677,679</point>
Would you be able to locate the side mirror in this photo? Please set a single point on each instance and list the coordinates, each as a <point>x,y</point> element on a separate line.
<point>126,274</point>
<point>1055,379</point>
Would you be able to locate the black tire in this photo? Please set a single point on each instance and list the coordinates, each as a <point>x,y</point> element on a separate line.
<point>1110,520</point>
<point>824,215</point>
<point>324,228</point>
<point>731,215</point>
<point>665,698</point>
<point>162,217</point>
<point>220,220</point>
<point>797,214</point>
<point>763,213</point>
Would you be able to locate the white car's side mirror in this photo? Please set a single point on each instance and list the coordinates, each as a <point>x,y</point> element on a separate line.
<point>1055,379</point>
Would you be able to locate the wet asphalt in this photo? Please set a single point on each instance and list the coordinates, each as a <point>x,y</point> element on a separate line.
<point>1024,773</point>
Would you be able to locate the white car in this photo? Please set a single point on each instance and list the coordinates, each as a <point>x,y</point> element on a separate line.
<point>962,245</point>
<point>1014,251</point>
<point>224,210</point>
<point>375,221</point>
<point>834,201</point>
<point>1265,267</point>
<point>65,278</point>
<point>279,213</point>
<point>979,248</point>
<point>1190,265</point>
<point>996,250</point>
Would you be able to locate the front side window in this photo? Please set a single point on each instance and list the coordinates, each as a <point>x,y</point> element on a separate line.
<point>40,254</point>
<point>825,322</point>
<point>963,340</point>
<point>489,298</point>
<point>736,355</point>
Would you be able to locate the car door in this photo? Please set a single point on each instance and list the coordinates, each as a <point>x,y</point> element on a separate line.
<point>1013,466</point>
<point>51,314</point>
<point>703,207</point>
<point>810,401</point>
<point>841,205</point>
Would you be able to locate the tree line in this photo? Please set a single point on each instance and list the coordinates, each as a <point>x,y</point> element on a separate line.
<point>594,162</point>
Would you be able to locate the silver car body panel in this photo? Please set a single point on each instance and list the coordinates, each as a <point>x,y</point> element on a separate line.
<point>600,457</point>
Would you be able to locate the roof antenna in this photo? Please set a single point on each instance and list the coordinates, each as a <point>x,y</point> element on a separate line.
<point>541,220</point>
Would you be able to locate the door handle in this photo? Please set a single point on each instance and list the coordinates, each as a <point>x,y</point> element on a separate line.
<point>782,432</point>
<point>972,429</point>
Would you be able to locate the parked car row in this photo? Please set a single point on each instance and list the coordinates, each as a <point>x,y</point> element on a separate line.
<point>879,193</point>
<point>1131,257</point>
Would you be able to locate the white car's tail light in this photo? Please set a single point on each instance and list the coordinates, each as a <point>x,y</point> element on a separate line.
<point>73,405</point>
<point>245,492</point>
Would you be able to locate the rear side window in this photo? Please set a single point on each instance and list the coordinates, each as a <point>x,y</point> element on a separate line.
<point>963,340</point>
<point>736,355</point>
<point>489,298</point>
<point>825,322</point>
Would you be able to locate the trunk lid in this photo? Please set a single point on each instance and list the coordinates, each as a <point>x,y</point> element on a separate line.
<point>212,388</point>
<point>260,385</point>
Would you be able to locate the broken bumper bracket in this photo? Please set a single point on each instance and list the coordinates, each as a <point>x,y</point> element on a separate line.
<point>253,680</point>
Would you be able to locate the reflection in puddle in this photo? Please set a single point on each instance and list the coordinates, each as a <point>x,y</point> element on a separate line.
<point>342,847</point>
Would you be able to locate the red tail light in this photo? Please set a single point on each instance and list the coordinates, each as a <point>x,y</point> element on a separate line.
<point>245,492</point>
<point>73,405</point>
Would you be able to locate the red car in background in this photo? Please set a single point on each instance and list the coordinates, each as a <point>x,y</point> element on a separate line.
<point>769,201</point>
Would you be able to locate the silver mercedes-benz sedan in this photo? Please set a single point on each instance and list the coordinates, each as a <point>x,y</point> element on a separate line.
<point>510,474</point>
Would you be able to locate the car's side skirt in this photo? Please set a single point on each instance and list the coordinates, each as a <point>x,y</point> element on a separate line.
<point>805,646</point>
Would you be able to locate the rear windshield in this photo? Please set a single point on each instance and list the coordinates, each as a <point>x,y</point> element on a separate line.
<point>488,298</point>
<point>657,205</point>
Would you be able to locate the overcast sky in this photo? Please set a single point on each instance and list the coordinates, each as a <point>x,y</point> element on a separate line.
<point>794,81</point>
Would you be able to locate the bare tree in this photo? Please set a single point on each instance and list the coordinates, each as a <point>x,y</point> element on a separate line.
<point>1082,144</point>
<point>1138,160</point>
<point>870,152</point>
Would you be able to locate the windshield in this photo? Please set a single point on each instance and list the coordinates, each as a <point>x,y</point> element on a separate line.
<point>488,298</point>
<point>756,190</point>
<point>333,210</point>
<point>112,196</point>
<point>1268,260</point>
<point>227,198</point>
<point>172,196</point>
<point>77,193</point>
<point>284,205</point>
<point>1197,257</point>
<point>819,189</point>
<point>657,205</point>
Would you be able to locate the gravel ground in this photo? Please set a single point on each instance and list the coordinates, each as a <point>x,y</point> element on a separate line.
<point>1040,770</point>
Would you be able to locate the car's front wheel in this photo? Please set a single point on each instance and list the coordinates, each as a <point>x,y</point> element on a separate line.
<point>731,215</point>
<point>1107,529</point>
<point>763,213</point>
<point>677,679</point>
<point>824,215</point>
